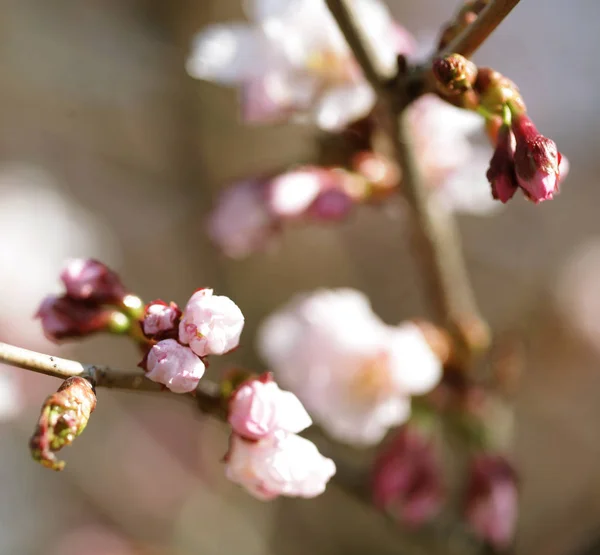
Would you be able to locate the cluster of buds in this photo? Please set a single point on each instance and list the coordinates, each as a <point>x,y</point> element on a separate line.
<point>266,456</point>
<point>523,158</point>
<point>181,341</point>
<point>64,416</point>
<point>94,300</point>
<point>249,213</point>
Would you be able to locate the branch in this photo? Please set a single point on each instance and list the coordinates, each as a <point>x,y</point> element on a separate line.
<point>475,34</point>
<point>436,237</point>
<point>207,395</point>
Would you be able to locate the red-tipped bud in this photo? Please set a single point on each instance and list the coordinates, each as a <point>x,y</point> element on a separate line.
<point>161,320</point>
<point>64,318</point>
<point>492,499</point>
<point>501,173</point>
<point>454,74</point>
<point>537,161</point>
<point>406,478</point>
<point>64,416</point>
<point>86,279</point>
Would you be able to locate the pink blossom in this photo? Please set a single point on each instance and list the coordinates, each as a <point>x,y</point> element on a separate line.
<point>211,324</point>
<point>492,499</point>
<point>501,173</point>
<point>353,373</point>
<point>279,464</point>
<point>89,280</point>
<point>65,317</point>
<point>161,320</point>
<point>240,222</point>
<point>258,408</point>
<point>174,365</point>
<point>537,161</point>
<point>292,61</point>
<point>291,193</point>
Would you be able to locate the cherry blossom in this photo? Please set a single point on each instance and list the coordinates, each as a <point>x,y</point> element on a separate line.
<point>258,408</point>
<point>354,374</point>
<point>174,365</point>
<point>161,319</point>
<point>211,324</point>
<point>293,61</point>
<point>280,464</point>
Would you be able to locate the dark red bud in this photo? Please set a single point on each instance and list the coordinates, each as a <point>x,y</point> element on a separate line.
<point>90,280</point>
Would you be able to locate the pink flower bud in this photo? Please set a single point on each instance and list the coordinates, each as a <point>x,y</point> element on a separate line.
<point>161,320</point>
<point>279,464</point>
<point>406,479</point>
<point>211,324</point>
<point>89,280</point>
<point>537,161</point>
<point>174,365</point>
<point>65,317</point>
<point>240,222</point>
<point>501,173</point>
<point>331,205</point>
<point>258,408</point>
<point>492,499</point>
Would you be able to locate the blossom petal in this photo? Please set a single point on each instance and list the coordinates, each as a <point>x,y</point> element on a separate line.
<point>343,105</point>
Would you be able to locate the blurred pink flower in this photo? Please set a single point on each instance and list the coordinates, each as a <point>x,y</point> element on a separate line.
<point>407,478</point>
<point>492,499</point>
<point>211,324</point>
<point>292,60</point>
<point>290,194</point>
<point>161,320</point>
<point>240,222</point>
<point>280,464</point>
<point>258,408</point>
<point>87,279</point>
<point>352,372</point>
<point>174,365</point>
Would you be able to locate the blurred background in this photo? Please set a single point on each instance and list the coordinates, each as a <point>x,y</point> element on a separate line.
<point>108,149</point>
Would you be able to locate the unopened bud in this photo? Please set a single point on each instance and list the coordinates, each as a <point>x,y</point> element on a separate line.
<point>501,173</point>
<point>382,174</point>
<point>161,320</point>
<point>64,416</point>
<point>64,318</point>
<point>537,161</point>
<point>454,74</point>
<point>86,279</point>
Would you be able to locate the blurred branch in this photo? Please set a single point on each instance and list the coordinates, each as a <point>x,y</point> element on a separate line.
<point>436,237</point>
<point>476,34</point>
<point>207,395</point>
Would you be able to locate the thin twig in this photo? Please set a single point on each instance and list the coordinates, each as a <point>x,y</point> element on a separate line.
<point>207,395</point>
<point>467,42</point>
<point>436,238</point>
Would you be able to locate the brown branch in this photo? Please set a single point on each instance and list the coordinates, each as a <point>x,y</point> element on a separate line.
<point>436,237</point>
<point>467,42</point>
<point>207,395</point>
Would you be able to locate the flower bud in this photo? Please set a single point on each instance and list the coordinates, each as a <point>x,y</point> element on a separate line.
<point>258,408</point>
<point>406,479</point>
<point>279,464</point>
<point>492,499</point>
<point>161,320</point>
<point>64,416</point>
<point>331,205</point>
<point>211,324</point>
<point>381,173</point>
<point>454,74</point>
<point>501,173</point>
<point>496,91</point>
<point>173,365</point>
<point>537,161</point>
<point>64,317</point>
<point>86,279</point>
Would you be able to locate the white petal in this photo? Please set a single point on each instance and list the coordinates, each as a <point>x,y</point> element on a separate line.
<point>228,53</point>
<point>291,414</point>
<point>342,105</point>
<point>416,369</point>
